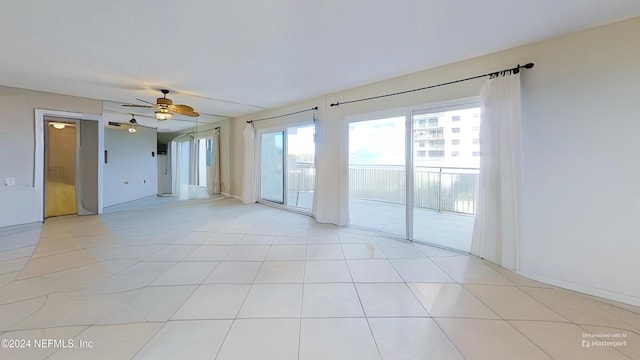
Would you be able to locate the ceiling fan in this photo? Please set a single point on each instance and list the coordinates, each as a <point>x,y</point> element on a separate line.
<point>164,108</point>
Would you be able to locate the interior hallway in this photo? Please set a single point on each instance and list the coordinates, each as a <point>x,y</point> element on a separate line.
<point>222,280</point>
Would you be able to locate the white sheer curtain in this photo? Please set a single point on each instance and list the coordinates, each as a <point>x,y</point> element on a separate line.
<point>215,182</point>
<point>495,232</point>
<point>249,183</point>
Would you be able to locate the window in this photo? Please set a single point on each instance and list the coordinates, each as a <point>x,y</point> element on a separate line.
<point>476,153</point>
<point>455,142</point>
<point>476,141</point>
<point>433,121</point>
<point>436,144</point>
<point>421,153</point>
<point>421,144</point>
<point>455,153</point>
<point>475,128</point>
<point>455,130</point>
<point>455,118</point>
<point>435,133</point>
<point>436,154</point>
<point>422,123</point>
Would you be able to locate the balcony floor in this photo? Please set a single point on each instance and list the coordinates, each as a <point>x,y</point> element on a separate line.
<point>439,228</point>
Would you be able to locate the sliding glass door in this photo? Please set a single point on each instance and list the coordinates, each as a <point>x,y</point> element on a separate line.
<point>272,167</point>
<point>416,176</point>
<point>445,176</point>
<point>377,175</point>
<point>287,167</point>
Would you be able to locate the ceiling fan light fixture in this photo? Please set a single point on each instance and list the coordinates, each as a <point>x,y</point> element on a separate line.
<point>163,114</point>
<point>132,129</point>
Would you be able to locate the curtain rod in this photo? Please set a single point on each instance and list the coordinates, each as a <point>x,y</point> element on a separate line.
<point>513,70</point>
<point>279,116</point>
<point>199,131</point>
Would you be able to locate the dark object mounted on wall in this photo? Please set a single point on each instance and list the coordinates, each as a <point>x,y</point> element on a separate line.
<point>162,149</point>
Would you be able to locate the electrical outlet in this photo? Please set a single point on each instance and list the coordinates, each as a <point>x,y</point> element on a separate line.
<point>10,181</point>
<point>126,182</point>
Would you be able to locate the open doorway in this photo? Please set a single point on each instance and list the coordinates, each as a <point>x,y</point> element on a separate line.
<point>60,164</point>
<point>89,159</point>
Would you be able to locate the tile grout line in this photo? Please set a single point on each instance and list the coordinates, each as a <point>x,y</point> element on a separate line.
<point>375,342</point>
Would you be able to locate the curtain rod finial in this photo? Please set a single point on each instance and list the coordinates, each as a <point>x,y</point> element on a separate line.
<point>249,121</point>
<point>528,66</point>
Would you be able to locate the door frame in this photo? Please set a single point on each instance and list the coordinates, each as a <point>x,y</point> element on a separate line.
<point>407,112</point>
<point>38,170</point>
<point>258,164</point>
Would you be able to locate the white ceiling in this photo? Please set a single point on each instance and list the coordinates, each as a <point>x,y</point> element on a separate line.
<point>234,57</point>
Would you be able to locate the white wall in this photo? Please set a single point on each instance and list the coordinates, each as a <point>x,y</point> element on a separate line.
<point>19,203</point>
<point>581,128</point>
<point>131,172</point>
<point>581,189</point>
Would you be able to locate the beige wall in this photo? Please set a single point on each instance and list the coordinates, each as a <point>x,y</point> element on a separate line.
<point>580,148</point>
<point>17,143</point>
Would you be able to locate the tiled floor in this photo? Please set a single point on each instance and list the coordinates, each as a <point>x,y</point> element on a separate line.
<point>222,280</point>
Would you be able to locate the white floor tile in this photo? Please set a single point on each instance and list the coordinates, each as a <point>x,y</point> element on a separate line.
<point>224,239</point>
<point>481,339</point>
<point>511,303</point>
<point>362,251</point>
<point>377,270</point>
<point>273,301</point>
<point>250,239</point>
<point>186,273</point>
<point>337,339</point>
<point>110,342</point>
<point>450,300</point>
<point>402,250</point>
<point>158,303</point>
<point>33,352</point>
<point>389,300</point>
<point>248,253</point>
<point>331,300</point>
<point>173,253</point>
<point>213,301</point>
<point>324,252</point>
<point>468,269</point>
<point>290,240</point>
<point>420,270</point>
<point>267,339</point>
<point>234,272</point>
<point>411,339</point>
<point>210,253</point>
<point>287,252</point>
<point>565,341</point>
<point>197,339</point>
<point>327,271</point>
<point>273,272</point>
<point>324,239</point>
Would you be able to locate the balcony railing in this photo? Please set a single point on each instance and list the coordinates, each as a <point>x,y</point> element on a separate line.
<point>436,188</point>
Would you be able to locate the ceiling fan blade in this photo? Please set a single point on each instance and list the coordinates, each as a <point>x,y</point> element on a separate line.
<point>192,114</point>
<point>184,110</point>
<point>138,106</point>
<point>181,108</point>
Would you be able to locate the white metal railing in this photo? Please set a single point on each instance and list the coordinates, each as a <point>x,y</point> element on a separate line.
<point>436,188</point>
<point>445,189</point>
